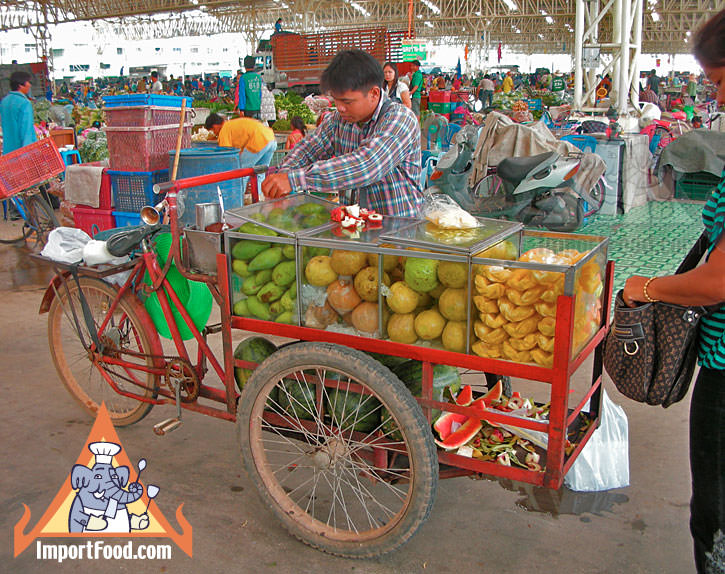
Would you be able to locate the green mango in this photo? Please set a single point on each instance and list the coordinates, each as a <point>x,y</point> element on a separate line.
<point>252,285</point>
<point>315,220</point>
<point>246,249</point>
<point>288,252</point>
<point>241,268</point>
<point>276,307</point>
<point>311,209</point>
<point>268,259</point>
<point>241,308</point>
<point>287,302</point>
<point>292,291</point>
<point>254,229</point>
<point>288,317</point>
<point>258,217</point>
<point>270,292</point>
<point>258,309</point>
<point>284,273</point>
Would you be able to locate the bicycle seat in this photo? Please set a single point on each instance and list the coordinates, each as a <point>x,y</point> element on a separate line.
<point>125,242</point>
<point>514,169</point>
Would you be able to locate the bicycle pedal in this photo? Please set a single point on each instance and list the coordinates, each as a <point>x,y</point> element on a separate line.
<point>167,426</point>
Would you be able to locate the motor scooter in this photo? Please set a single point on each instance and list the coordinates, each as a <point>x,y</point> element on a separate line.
<point>538,190</point>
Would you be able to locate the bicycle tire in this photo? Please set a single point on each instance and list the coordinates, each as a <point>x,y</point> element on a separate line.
<point>75,365</point>
<point>598,192</point>
<point>323,461</point>
<point>14,231</point>
<point>41,218</point>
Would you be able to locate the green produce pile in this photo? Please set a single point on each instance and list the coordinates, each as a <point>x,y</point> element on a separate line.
<point>294,105</point>
<point>41,110</point>
<point>84,117</point>
<point>282,126</point>
<point>215,107</point>
<point>94,147</point>
<point>268,270</point>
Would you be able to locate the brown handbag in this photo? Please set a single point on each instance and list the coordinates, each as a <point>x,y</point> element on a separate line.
<point>651,350</point>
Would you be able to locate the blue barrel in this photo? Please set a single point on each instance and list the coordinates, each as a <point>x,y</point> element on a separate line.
<point>203,161</point>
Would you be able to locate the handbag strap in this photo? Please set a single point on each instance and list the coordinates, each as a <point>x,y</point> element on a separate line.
<point>694,256</point>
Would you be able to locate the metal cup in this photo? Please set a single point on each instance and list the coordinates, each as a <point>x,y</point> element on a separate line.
<point>206,214</point>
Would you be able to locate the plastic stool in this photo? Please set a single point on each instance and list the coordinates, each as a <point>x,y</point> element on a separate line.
<point>70,156</point>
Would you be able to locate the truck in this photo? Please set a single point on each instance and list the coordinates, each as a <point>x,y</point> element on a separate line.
<point>289,60</point>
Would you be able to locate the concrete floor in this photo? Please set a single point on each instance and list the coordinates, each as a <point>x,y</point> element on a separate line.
<point>476,525</point>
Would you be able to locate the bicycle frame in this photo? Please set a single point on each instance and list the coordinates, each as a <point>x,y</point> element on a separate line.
<point>167,296</point>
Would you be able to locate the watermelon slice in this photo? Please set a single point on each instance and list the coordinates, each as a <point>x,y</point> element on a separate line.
<point>444,425</point>
<point>479,404</point>
<point>494,395</point>
<point>466,432</point>
<point>465,397</point>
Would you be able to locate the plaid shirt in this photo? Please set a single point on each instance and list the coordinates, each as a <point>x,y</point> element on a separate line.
<point>381,159</point>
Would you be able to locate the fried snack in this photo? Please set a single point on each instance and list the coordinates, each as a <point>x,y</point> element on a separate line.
<point>525,343</point>
<point>527,297</point>
<point>571,256</point>
<point>494,291</point>
<point>590,278</point>
<point>513,355</point>
<point>522,328</point>
<point>495,337</point>
<point>480,282</point>
<point>538,255</point>
<point>486,350</point>
<point>521,280</point>
<point>545,343</point>
<point>553,291</point>
<point>485,305</point>
<point>495,321</point>
<point>546,309</point>
<point>481,329</point>
<point>546,277</point>
<point>542,357</point>
<point>515,312</point>
<point>547,326</point>
<point>496,273</point>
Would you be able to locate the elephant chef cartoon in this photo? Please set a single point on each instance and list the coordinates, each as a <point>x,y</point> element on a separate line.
<point>100,504</point>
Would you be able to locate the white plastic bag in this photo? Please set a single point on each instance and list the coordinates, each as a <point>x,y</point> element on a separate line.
<point>444,212</point>
<point>65,244</point>
<point>603,463</point>
<point>96,252</point>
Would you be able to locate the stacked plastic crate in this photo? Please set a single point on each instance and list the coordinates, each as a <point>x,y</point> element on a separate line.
<point>141,130</point>
<point>94,219</point>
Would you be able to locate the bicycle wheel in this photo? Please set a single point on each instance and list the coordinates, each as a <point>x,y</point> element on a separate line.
<point>127,330</point>
<point>13,231</point>
<point>306,420</point>
<point>41,218</point>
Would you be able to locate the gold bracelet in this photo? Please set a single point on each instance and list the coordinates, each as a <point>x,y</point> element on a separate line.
<point>644,290</point>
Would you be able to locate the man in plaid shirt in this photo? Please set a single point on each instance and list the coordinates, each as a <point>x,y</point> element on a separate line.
<point>368,144</point>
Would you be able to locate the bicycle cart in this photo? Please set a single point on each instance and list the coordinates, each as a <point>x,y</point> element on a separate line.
<point>340,448</point>
<point>20,171</point>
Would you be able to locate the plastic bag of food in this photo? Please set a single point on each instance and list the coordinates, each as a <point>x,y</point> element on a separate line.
<point>443,211</point>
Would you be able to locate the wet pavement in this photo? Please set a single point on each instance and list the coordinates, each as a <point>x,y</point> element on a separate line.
<point>486,526</point>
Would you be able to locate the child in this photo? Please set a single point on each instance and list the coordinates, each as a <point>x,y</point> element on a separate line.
<point>298,132</point>
<point>696,122</point>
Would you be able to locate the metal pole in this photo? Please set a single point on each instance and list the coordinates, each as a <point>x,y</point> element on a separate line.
<point>578,45</point>
<point>637,50</point>
<point>626,31</point>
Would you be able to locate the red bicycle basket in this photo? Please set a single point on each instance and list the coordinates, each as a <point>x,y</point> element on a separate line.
<point>28,166</point>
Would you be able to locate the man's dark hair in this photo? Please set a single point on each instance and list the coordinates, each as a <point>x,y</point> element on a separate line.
<point>155,75</point>
<point>249,62</point>
<point>354,70</point>
<point>213,120</point>
<point>709,43</point>
<point>18,78</point>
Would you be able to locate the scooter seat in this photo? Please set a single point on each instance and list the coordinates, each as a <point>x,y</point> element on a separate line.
<point>514,169</point>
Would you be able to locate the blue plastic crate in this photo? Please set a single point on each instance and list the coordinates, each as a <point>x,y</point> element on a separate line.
<point>132,190</point>
<point>127,218</point>
<point>146,100</point>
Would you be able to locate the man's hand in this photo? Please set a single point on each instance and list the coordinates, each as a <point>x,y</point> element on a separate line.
<point>276,185</point>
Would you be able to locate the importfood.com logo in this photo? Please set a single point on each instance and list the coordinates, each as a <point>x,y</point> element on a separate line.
<point>103,497</point>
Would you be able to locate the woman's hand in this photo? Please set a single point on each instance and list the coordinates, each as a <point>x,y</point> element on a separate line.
<point>634,290</point>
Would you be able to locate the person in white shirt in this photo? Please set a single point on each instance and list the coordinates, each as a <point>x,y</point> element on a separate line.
<point>396,89</point>
<point>156,86</point>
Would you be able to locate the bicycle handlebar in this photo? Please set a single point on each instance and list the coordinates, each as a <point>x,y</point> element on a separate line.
<point>198,180</point>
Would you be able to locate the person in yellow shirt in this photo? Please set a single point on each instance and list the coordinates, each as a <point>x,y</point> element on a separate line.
<point>508,83</point>
<point>254,139</point>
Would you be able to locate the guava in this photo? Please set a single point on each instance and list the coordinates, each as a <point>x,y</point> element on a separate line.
<point>429,324</point>
<point>402,299</point>
<point>454,336</point>
<point>452,304</point>
<point>453,274</point>
<point>421,274</point>
<point>401,328</point>
<point>348,262</point>
<point>319,272</point>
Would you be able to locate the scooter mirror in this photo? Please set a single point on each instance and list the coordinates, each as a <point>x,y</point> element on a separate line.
<point>477,106</point>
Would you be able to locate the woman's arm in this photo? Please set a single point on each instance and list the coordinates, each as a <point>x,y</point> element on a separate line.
<point>405,98</point>
<point>704,285</point>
